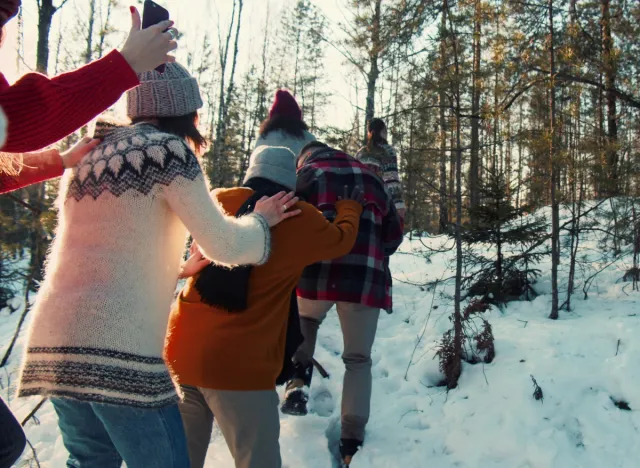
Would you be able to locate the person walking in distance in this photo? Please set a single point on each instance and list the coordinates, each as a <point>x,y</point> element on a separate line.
<point>379,156</point>
<point>285,127</point>
<point>356,284</point>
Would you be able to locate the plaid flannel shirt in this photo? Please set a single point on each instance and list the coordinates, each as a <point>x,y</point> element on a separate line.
<point>363,276</point>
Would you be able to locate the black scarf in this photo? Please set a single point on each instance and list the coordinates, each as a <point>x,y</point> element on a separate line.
<point>227,288</point>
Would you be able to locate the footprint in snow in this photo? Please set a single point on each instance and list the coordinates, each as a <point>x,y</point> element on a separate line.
<point>322,403</point>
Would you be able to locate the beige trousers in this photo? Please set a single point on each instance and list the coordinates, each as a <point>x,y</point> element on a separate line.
<point>359,324</point>
<point>249,421</point>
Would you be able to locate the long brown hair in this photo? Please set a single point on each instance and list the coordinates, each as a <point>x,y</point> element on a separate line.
<point>376,127</point>
<point>291,126</point>
<point>184,126</point>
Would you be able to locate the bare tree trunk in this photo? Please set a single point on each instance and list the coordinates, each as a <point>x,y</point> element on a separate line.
<point>374,71</point>
<point>520,157</point>
<point>46,10</point>
<point>555,208</point>
<point>610,71</point>
<point>218,171</point>
<point>444,199</point>
<point>457,314</point>
<point>509,155</point>
<point>88,55</point>
<point>474,163</point>
<point>409,171</point>
<point>222,137</point>
<point>452,171</point>
<point>105,29</point>
<point>38,237</point>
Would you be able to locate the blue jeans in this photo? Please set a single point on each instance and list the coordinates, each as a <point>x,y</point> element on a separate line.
<point>98,435</point>
<point>12,439</point>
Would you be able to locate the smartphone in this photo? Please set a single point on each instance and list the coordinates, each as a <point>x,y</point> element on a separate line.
<point>154,14</point>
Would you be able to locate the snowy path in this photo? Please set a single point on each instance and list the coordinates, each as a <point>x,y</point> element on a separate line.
<point>491,420</point>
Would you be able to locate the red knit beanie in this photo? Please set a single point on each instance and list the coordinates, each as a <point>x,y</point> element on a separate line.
<point>8,9</point>
<point>285,105</point>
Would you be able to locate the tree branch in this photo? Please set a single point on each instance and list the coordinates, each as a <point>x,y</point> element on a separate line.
<point>631,100</point>
<point>33,412</point>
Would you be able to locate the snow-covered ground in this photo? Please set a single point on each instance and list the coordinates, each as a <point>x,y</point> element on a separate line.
<point>583,361</point>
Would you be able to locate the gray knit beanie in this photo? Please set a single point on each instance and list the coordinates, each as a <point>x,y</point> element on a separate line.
<point>173,93</point>
<point>274,163</point>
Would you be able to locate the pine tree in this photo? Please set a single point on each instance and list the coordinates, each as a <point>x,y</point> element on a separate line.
<point>503,268</point>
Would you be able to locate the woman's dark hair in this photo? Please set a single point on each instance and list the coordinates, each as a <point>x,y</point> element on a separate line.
<point>293,127</point>
<point>184,126</point>
<point>376,127</point>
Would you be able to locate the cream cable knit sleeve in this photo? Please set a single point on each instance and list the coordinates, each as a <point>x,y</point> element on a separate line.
<point>223,239</point>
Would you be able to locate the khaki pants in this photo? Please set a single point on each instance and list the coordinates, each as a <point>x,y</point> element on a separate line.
<point>249,421</point>
<point>359,324</point>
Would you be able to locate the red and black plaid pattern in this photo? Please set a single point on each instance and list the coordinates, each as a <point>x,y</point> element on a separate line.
<point>362,277</point>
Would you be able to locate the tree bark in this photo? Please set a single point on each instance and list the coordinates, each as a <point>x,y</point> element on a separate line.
<point>555,208</point>
<point>88,55</point>
<point>105,29</point>
<point>444,202</point>
<point>610,83</point>
<point>217,170</point>
<point>46,10</point>
<point>457,314</point>
<point>374,70</point>
<point>474,162</point>
<point>222,137</point>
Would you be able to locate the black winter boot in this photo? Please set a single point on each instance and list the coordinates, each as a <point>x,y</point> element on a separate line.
<point>348,448</point>
<point>297,395</point>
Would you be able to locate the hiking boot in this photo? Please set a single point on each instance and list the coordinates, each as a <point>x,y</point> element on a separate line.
<point>295,399</point>
<point>348,448</point>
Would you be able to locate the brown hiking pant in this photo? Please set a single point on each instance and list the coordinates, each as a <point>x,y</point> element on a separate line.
<point>249,421</point>
<point>359,324</point>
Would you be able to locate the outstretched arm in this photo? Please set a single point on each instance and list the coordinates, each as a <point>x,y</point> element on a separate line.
<point>222,238</point>
<point>32,168</point>
<point>42,111</point>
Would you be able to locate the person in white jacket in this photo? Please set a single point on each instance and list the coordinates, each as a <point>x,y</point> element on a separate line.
<point>284,127</point>
<point>96,342</point>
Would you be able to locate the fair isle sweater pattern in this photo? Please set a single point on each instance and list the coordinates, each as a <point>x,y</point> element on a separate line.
<point>117,383</point>
<point>130,161</point>
<point>136,158</point>
<point>383,160</point>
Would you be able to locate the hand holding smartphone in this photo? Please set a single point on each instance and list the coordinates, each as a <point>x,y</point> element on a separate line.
<point>152,15</point>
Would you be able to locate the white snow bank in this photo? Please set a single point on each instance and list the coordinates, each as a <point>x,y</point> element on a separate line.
<point>491,420</point>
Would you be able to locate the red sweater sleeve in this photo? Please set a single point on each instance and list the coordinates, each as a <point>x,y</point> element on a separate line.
<point>42,111</point>
<point>36,168</point>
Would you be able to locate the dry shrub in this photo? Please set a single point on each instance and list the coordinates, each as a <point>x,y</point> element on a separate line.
<point>477,344</point>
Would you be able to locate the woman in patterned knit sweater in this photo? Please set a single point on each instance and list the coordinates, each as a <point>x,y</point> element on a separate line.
<point>96,342</point>
<point>381,157</point>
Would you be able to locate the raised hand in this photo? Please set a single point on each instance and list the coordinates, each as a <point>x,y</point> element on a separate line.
<point>147,49</point>
<point>195,264</point>
<point>356,195</point>
<point>74,155</point>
